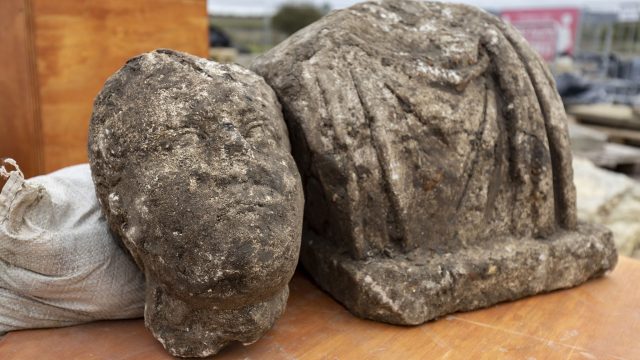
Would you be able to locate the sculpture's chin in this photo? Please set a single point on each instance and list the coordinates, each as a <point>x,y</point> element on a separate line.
<point>178,324</point>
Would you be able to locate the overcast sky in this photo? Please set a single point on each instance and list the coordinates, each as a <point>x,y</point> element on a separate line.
<point>264,7</point>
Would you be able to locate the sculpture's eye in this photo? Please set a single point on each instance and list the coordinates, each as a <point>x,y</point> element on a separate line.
<point>255,129</point>
<point>260,131</point>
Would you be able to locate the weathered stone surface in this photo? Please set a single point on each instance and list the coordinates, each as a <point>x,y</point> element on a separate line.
<point>611,199</point>
<point>191,161</point>
<point>434,152</point>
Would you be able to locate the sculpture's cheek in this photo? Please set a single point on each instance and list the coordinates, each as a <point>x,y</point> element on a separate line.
<point>233,238</point>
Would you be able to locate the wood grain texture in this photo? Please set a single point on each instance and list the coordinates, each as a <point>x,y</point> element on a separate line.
<point>615,134</point>
<point>56,55</point>
<point>612,115</point>
<point>598,320</point>
<point>19,119</point>
<point>79,44</point>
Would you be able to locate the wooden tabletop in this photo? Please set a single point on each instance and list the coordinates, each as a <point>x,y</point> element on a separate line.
<point>598,320</point>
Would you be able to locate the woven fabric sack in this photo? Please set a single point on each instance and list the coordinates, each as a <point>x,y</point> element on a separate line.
<point>59,263</point>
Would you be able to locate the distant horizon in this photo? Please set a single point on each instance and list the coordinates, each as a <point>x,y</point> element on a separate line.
<point>269,7</point>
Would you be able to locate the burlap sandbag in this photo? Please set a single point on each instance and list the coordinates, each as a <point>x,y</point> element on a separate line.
<point>59,264</point>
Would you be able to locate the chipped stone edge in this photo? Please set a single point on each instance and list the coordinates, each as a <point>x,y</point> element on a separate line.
<point>404,291</point>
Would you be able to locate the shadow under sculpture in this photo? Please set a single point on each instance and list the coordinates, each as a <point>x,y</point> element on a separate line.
<point>192,165</point>
<point>435,159</point>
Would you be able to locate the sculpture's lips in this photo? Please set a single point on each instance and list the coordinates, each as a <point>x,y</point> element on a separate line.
<point>266,189</point>
<point>233,244</point>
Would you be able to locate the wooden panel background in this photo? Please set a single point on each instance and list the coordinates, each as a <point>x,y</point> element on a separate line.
<point>19,120</point>
<point>56,55</point>
<point>79,44</point>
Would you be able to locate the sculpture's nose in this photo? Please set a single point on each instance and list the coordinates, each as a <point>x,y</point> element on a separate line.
<point>233,142</point>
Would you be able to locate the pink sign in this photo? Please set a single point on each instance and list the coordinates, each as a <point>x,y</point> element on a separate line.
<point>551,32</point>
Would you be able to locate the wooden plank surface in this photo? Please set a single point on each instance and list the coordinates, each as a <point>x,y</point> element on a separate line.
<point>598,320</point>
<point>79,44</point>
<point>625,136</point>
<point>612,115</point>
<point>613,155</point>
<point>19,119</point>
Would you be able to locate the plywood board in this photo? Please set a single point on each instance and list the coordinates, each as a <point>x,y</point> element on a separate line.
<point>618,116</point>
<point>56,55</point>
<point>598,320</point>
<point>79,44</point>
<point>19,119</point>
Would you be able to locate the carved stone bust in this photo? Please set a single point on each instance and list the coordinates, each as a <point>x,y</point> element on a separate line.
<point>191,161</point>
<point>435,160</point>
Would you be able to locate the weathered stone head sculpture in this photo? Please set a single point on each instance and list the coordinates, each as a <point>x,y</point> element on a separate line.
<point>192,164</point>
<point>434,152</point>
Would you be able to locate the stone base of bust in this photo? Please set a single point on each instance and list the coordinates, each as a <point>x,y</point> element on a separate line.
<point>422,285</point>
